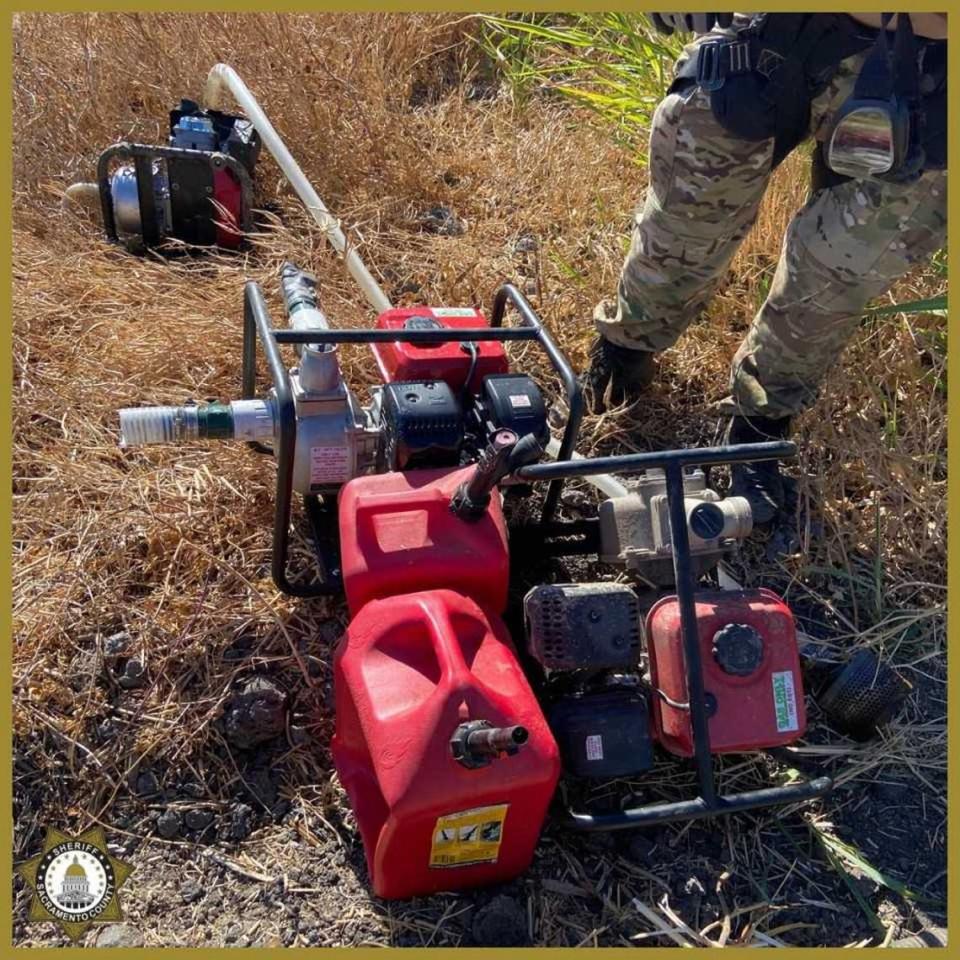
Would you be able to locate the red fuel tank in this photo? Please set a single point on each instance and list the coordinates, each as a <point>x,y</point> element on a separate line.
<point>397,535</point>
<point>445,361</point>
<point>408,673</point>
<point>751,672</point>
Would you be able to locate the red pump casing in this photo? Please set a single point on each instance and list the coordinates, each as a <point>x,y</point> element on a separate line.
<point>407,672</point>
<point>762,709</point>
<point>444,361</point>
<point>397,535</point>
<point>228,196</point>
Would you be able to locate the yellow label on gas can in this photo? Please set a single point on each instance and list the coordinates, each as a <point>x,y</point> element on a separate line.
<point>468,836</point>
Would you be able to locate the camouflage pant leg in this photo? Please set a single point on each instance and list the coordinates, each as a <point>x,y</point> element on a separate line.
<point>846,246</point>
<point>704,192</point>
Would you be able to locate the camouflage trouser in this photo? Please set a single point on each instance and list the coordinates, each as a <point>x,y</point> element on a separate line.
<point>845,246</point>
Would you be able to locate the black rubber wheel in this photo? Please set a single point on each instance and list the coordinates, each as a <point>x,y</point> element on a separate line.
<point>863,695</point>
<point>932,937</point>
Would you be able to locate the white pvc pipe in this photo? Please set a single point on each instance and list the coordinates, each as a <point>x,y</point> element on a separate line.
<point>604,482</point>
<point>221,76</point>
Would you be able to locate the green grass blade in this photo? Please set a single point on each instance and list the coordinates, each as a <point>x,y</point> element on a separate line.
<point>936,305</point>
<point>851,856</point>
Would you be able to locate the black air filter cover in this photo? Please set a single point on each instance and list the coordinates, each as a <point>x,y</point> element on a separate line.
<point>422,426</point>
<point>583,626</point>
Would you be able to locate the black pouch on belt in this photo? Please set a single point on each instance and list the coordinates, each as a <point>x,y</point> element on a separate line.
<point>762,80</point>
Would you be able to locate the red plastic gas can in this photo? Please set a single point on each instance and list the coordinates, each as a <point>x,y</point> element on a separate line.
<point>751,672</point>
<point>408,672</point>
<point>445,361</point>
<point>397,535</point>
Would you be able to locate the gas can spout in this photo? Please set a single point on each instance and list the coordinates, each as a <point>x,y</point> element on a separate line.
<point>505,453</point>
<point>496,740</point>
<point>476,743</point>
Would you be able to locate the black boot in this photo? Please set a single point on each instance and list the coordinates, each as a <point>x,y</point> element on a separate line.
<point>616,375</point>
<point>761,483</point>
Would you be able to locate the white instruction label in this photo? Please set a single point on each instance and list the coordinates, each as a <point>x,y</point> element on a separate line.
<point>785,702</point>
<point>519,400</point>
<point>329,465</point>
<point>453,311</point>
<point>595,747</point>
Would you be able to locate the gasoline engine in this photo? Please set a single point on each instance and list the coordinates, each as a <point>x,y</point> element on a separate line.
<point>451,730</point>
<point>439,406</point>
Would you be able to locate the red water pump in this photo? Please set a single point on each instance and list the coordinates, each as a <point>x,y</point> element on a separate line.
<point>451,729</point>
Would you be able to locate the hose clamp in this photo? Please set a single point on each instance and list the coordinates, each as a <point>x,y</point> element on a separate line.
<point>185,423</point>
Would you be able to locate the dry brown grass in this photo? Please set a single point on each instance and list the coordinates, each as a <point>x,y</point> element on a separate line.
<point>171,546</point>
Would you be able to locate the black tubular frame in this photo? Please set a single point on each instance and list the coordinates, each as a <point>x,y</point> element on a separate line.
<point>509,294</point>
<point>257,328</point>
<point>708,802</point>
<point>143,155</point>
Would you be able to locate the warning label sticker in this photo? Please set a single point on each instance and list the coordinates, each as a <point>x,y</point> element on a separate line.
<point>328,465</point>
<point>594,747</point>
<point>785,702</point>
<point>519,400</point>
<point>469,836</point>
<point>453,311</point>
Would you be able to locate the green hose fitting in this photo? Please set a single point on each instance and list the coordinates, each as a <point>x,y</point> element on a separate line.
<point>215,421</point>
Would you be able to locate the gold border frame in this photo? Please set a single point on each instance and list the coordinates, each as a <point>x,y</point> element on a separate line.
<point>481,6</point>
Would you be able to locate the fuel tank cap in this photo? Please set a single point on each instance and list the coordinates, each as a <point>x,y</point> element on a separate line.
<point>420,322</point>
<point>738,649</point>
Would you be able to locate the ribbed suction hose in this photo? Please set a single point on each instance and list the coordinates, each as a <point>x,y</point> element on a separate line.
<point>83,195</point>
<point>238,420</point>
<point>143,425</point>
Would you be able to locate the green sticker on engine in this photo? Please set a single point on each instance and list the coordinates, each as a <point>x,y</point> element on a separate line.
<point>785,702</point>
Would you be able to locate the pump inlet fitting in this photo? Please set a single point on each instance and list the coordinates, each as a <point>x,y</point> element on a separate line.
<point>237,420</point>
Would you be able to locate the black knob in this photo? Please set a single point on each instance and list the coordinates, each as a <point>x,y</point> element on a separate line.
<point>707,521</point>
<point>738,649</point>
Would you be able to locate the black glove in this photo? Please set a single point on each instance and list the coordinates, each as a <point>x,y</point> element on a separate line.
<point>690,22</point>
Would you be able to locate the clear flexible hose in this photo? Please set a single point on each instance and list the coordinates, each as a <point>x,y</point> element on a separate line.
<point>604,482</point>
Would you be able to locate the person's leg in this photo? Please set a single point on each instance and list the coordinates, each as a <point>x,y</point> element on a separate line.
<point>846,246</point>
<point>704,192</point>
